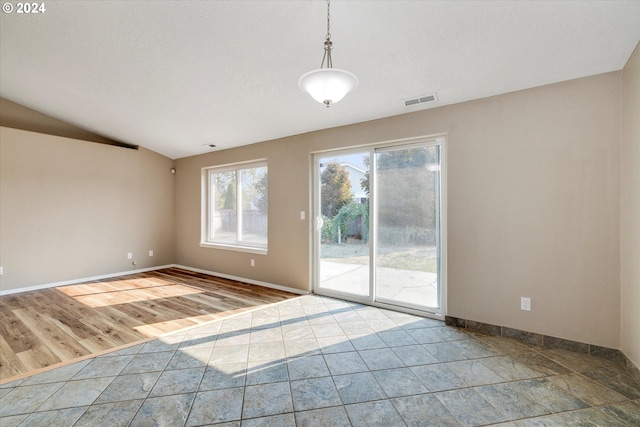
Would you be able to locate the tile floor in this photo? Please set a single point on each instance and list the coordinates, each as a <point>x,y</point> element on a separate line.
<point>314,361</point>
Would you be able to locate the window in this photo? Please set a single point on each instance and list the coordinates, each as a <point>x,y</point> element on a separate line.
<point>235,207</point>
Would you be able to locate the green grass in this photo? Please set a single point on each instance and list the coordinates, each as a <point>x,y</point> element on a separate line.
<point>414,259</point>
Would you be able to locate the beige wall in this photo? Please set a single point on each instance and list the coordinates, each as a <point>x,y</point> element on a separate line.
<point>16,116</point>
<point>533,206</point>
<point>630,210</point>
<point>542,199</point>
<point>71,209</point>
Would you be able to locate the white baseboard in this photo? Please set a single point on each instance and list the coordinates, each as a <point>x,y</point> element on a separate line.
<point>84,279</point>
<point>142,270</point>
<point>244,280</point>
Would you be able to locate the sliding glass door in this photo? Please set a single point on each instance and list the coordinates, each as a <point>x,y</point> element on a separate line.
<point>378,235</point>
<point>406,224</point>
<point>342,219</point>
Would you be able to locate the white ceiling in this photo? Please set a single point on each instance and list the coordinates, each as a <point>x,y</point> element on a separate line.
<point>173,76</point>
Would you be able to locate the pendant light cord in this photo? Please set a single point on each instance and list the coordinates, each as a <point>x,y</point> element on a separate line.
<point>328,45</point>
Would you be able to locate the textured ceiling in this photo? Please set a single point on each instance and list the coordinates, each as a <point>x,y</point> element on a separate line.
<point>173,76</point>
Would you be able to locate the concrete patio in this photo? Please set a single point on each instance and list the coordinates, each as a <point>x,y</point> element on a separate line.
<point>403,286</point>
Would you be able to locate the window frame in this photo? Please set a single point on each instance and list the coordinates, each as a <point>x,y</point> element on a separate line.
<point>208,209</point>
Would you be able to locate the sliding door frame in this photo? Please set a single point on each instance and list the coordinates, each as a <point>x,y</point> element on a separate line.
<point>441,224</point>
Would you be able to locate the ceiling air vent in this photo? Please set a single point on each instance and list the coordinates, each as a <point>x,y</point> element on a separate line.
<point>421,99</point>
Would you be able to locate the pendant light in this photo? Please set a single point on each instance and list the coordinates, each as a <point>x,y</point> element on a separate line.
<point>328,85</point>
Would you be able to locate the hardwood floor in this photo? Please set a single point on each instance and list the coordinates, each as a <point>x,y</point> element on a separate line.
<point>46,327</point>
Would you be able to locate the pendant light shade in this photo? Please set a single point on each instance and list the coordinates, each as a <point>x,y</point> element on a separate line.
<point>328,85</point>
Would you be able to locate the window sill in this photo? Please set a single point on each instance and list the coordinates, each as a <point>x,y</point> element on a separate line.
<point>236,248</point>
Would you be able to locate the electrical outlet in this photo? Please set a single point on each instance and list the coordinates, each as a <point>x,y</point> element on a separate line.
<point>1,271</point>
<point>129,255</point>
<point>302,214</point>
<point>525,304</point>
<point>151,252</point>
<point>253,263</point>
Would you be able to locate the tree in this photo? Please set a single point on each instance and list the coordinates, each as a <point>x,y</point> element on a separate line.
<point>364,182</point>
<point>261,200</point>
<point>220,182</point>
<point>399,159</point>
<point>335,189</point>
<point>406,188</point>
<point>230,196</point>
